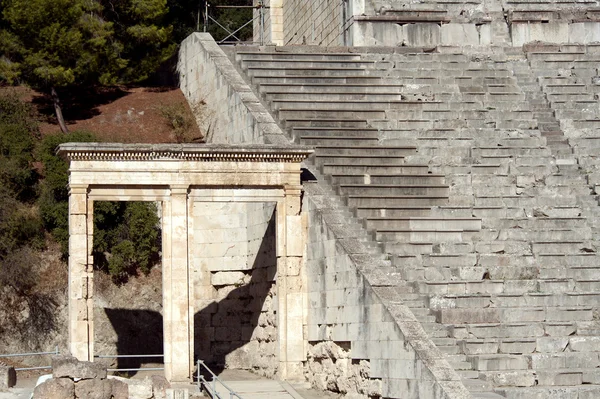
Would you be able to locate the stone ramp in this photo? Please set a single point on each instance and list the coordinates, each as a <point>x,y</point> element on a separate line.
<point>251,386</point>
<point>257,389</point>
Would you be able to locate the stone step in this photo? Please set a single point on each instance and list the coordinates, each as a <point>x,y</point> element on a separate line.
<point>274,55</point>
<point>340,131</point>
<point>338,140</point>
<point>419,235</point>
<point>557,247</point>
<point>383,87</point>
<point>364,150</point>
<point>357,78</point>
<point>393,190</point>
<point>428,223</point>
<point>524,345</point>
<point>358,159</point>
<point>424,179</point>
<point>511,151</point>
<point>546,332</point>
<point>393,211</point>
<point>279,97</point>
<point>249,64</point>
<point>355,201</point>
<point>543,298</point>
<point>290,114</point>
<point>322,71</point>
<point>545,392</point>
<point>355,123</point>
<point>513,315</point>
<point>375,169</point>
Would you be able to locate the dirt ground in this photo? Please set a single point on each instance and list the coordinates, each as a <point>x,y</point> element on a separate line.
<point>115,114</point>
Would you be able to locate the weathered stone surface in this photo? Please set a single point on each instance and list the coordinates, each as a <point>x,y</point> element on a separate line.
<point>94,389</point>
<point>8,377</point>
<point>119,388</point>
<point>140,389</point>
<point>159,386</point>
<point>55,388</point>
<point>66,366</point>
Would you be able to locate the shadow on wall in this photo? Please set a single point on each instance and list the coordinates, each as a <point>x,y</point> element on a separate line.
<point>220,329</point>
<point>224,328</point>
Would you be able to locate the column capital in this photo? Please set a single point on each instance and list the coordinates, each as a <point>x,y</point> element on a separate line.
<point>78,189</point>
<point>179,189</point>
<point>292,189</point>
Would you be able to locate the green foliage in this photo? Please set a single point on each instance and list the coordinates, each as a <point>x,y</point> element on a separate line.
<point>20,226</point>
<point>18,130</point>
<point>62,43</point>
<point>180,120</point>
<point>126,237</point>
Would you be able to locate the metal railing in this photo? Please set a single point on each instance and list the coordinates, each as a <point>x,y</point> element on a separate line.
<point>131,357</point>
<point>10,355</point>
<point>261,7</point>
<point>211,386</point>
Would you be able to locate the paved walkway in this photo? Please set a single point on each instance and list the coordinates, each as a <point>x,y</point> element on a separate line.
<point>248,385</point>
<point>251,386</point>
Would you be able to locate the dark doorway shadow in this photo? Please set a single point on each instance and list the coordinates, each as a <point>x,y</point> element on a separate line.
<point>139,332</point>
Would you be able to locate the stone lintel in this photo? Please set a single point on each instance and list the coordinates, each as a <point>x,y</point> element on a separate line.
<point>183,152</point>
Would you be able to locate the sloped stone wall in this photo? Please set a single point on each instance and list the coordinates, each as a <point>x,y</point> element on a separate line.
<point>226,109</point>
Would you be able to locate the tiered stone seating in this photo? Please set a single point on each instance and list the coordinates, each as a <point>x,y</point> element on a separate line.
<point>454,166</point>
<point>568,78</point>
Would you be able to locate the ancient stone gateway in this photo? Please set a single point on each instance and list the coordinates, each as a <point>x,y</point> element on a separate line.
<point>180,176</point>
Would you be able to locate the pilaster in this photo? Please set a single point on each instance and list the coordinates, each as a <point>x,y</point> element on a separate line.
<point>290,284</point>
<point>81,305</point>
<point>177,306</point>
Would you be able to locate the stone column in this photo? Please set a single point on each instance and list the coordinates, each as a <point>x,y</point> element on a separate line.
<point>290,285</point>
<point>81,302</point>
<point>177,307</point>
<point>276,14</point>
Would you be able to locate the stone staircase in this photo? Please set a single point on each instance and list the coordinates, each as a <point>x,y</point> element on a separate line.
<point>457,166</point>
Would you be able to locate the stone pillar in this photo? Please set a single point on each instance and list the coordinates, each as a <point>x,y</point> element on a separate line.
<point>276,14</point>
<point>177,306</point>
<point>290,285</point>
<point>81,302</point>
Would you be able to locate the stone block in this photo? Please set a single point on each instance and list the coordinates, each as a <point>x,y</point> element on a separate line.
<point>70,367</point>
<point>160,385</point>
<point>140,389</point>
<point>119,389</point>
<point>8,377</point>
<point>228,278</point>
<point>94,389</point>
<point>177,393</point>
<point>55,388</point>
<point>584,344</point>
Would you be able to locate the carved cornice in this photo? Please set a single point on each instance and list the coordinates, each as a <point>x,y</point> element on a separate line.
<point>182,152</point>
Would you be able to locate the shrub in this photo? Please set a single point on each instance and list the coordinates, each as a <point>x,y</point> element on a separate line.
<point>18,132</point>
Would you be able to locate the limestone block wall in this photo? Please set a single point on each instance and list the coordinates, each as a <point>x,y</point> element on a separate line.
<point>226,109</point>
<point>366,33</point>
<point>317,22</point>
<point>233,272</point>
